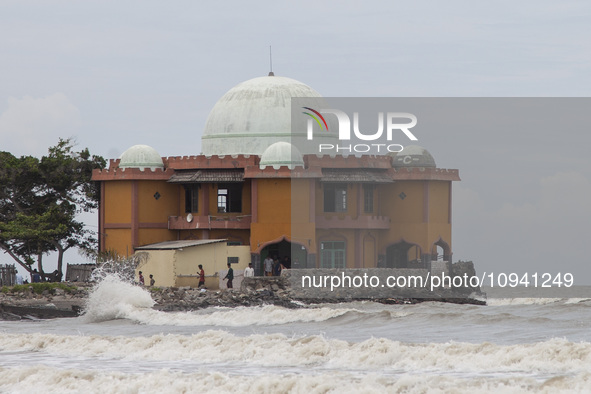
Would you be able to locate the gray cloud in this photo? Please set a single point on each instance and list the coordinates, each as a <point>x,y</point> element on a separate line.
<point>28,126</point>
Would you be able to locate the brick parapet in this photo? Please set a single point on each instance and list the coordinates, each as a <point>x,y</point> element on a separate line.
<point>422,173</point>
<point>204,162</point>
<point>125,174</point>
<point>250,163</point>
<point>282,172</point>
<point>368,161</point>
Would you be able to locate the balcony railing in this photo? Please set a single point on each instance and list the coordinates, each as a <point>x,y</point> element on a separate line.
<point>243,222</point>
<point>209,222</point>
<point>348,222</point>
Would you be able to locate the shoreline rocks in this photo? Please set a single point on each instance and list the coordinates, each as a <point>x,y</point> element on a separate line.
<point>257,291</point>
<point>48,305</point>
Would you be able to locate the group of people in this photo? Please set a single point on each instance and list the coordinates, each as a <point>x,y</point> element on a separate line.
<point>37,277</point>
<point>274,266</point>
<point>142,281</point>
<point>248,273</point>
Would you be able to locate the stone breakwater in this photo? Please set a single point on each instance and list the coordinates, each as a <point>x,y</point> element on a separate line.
<point>253,292</point>
<point>282,291</point>
<point>26,304</point>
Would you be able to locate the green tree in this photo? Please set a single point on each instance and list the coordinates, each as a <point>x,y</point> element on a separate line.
<point>39,201</point>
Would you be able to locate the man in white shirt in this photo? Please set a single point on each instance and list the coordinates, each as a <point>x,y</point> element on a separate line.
<point>268,266</point>
<point>249,271</point>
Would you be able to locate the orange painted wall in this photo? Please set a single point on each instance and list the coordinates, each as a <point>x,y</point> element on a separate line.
<point>147,236</point>
<point>353,198</point>
<point>274,201</point>
<point>303,231</point>
<point>231,235</point>
<point>439,201</point>
<point>300,201</point>
<point>274,211</point>
<point>369,243</point>
<point>152,210</point>
<point>117,201</point>
<point>439,223</point>
<point>118,240</point>
<point>407,210</point>
<point>406,214</point>
<point>283,209</point>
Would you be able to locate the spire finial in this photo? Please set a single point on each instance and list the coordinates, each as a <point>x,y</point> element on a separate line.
<point>270,63</point>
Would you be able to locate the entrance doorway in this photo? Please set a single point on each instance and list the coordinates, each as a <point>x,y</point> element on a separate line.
<point>440,251</point>
<point>296,254</point>
<point>403,255</point>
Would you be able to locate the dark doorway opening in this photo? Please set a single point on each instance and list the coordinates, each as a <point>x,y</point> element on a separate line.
<point>292,255</point>
<point>403,255</point>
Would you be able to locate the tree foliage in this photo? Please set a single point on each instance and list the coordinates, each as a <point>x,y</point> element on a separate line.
<point>39,201</point>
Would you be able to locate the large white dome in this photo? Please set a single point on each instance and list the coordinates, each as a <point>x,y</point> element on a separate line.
<point>252,116</point>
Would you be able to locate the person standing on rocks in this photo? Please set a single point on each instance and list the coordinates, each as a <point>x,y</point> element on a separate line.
<point>268,263</point>
<point>229,276</point>
<point>201,276</point>
<point>278,267</point>
<point>249,271</point>
<point>152,280</point>
<point>141,278</point>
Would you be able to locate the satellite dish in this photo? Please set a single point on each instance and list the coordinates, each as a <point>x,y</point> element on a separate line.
<point>189,218</point>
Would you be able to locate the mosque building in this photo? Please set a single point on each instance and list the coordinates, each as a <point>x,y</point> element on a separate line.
<point>253,189</point>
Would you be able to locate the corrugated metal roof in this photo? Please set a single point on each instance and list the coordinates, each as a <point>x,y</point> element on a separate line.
<point>179,244</point>
<point>355,175</point>
<point>205,176</point>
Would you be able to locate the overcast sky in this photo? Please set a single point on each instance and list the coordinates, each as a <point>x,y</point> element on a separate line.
<point>114,74</point>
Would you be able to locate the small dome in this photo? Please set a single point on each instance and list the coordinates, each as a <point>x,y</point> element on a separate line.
<point>141,156</point>
<point>281,154</point>
<point>413,156</point>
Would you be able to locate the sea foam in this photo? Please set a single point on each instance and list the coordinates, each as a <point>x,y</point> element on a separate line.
<point>535,301</point>
<point>113,298</point>
<point>28,379</point>
<point>551,356</point>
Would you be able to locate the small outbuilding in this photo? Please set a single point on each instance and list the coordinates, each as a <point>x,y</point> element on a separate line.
<point>175,263</point>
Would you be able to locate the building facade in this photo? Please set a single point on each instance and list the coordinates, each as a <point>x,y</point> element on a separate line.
<point>252,187</point>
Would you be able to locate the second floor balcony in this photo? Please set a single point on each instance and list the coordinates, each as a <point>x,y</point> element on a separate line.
<point>241,222</point>
<point>367,222</point>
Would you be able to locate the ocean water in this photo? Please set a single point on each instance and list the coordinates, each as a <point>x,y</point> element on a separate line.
<point>121,345</point>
